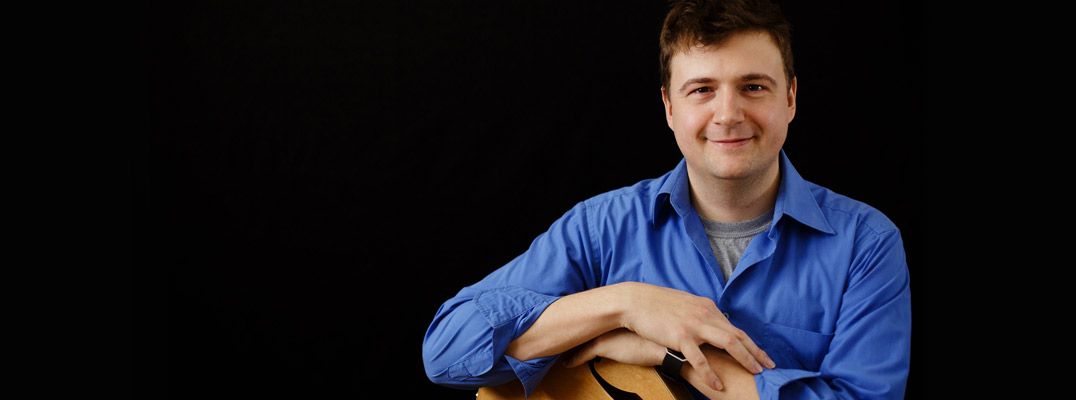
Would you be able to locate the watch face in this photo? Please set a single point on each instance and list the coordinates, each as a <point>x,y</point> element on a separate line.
<point>673,362</point>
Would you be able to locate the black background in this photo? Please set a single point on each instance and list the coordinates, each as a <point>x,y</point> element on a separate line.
<point>320,177</point>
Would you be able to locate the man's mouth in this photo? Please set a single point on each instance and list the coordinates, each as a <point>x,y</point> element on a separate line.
<point>730,143</point>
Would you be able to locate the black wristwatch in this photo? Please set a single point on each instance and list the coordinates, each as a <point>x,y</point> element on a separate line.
<point>673,362</point>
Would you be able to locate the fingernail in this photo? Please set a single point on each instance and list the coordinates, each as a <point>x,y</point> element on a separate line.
<point>769,362</point>
<point>716,384</point>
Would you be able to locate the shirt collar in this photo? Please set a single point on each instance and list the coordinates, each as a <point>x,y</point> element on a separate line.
<point>794,197</point>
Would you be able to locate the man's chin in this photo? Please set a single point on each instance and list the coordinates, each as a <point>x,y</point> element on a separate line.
<point>731,177</point>
<point>730,172</point>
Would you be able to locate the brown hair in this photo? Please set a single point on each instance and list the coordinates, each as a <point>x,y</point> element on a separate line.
<point>692,23</point>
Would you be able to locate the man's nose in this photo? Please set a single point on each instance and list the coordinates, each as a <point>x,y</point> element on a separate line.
<point>728,109</point>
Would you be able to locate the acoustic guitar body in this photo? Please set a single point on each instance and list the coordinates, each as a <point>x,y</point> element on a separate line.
<point>562,383</point>
<point>580,383</point>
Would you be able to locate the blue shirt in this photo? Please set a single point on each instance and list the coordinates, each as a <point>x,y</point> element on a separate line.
<point>824,291</point>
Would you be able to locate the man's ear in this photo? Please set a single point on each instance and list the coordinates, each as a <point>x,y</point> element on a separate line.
<point>668,107</point>
<point>792,99</point>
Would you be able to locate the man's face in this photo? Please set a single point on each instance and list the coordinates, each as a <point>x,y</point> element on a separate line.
<point>729,106</point>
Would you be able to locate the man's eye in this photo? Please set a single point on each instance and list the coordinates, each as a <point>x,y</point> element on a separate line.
<point>703,89</point>
<point>755,88</point>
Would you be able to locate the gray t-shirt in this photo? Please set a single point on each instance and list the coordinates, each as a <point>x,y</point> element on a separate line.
<point>729,241</point>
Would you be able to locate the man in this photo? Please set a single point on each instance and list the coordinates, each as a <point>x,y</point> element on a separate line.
<point>803,287</point>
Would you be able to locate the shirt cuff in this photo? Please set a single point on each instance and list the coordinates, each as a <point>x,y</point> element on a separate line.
<point>511,311</point>
<point>770,381</point>
<point>531,372</point>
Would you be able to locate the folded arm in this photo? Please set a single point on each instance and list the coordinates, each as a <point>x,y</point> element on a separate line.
<point>515,322</point>
<point>624,346</point>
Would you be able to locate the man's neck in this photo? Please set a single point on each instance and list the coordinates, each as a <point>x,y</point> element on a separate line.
<point>733,200</point>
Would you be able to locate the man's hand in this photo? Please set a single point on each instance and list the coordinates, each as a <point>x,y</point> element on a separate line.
<point>625,346</point>
<point>619,345</point>
<point>682,321</point>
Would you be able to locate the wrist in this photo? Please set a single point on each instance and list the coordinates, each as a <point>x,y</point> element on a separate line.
<point>604,306</point>
<point>620,298</point>
<point>658,353</point>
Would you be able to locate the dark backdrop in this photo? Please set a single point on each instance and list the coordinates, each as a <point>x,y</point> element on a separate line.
<point>320,177</point>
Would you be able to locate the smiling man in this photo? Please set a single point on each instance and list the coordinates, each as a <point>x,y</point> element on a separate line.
<point>803,287</point>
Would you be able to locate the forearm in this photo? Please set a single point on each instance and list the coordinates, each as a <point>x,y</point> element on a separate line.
<point>738,382</point>
<point>570,321</point>
<point>465,344</point>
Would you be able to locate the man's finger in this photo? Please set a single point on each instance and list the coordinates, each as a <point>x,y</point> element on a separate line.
<point>769,361</point>
<point>700,363</point>
<point>752,347</point>
<point>735,347</point>
<point>749,343</point>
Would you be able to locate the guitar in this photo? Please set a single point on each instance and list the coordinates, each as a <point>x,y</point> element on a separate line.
<point>608,379</point>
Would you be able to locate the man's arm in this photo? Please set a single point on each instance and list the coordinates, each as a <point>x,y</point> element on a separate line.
<point>467,344</point>
<point>669,317</point>
<point>624,346</point>
<point>869,354</point>
<point>570,321</point>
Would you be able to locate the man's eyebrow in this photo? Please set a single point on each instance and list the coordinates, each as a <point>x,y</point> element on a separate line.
<point>745,78</point>
<point>694,81</point>
<point>756,77</point>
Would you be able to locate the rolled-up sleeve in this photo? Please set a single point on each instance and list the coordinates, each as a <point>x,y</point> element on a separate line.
<point>465,344</point>
<point>870,352</point>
